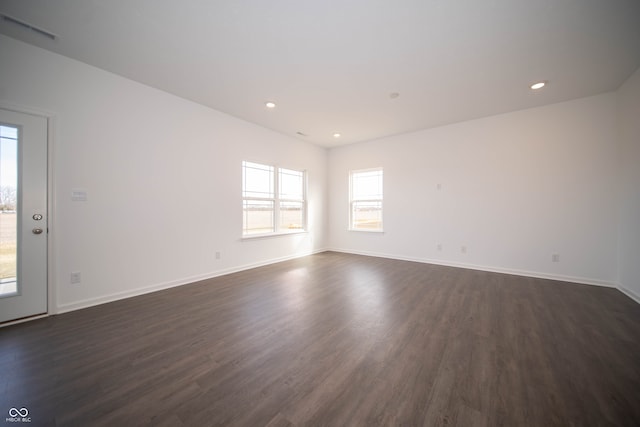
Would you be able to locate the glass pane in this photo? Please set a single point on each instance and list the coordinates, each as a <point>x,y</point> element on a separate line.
<point>291,184</point>
<point>8,209</point>
<point>366,185</point>
<point>257,180</point>
<point>291,216</point>
<point>258,217</point>
<point>366,215</point>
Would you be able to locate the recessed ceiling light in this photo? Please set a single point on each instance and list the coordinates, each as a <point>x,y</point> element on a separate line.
<point>538,85</point>
<point>336,135</point>
<point>270,104</point>
<point>394,95</point>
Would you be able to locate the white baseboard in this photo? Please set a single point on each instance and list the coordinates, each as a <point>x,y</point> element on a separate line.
<point>90,302</point>
<point>192,279</point>
<point>631,294</point>
<point>515,272</point>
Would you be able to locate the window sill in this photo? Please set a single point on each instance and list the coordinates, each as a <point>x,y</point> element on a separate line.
<point>357,230</point>
<point>267,235</point>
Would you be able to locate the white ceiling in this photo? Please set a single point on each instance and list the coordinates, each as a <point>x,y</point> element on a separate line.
<point>330,65</point>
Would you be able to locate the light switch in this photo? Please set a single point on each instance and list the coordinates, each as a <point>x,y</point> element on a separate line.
<point>79,195</point>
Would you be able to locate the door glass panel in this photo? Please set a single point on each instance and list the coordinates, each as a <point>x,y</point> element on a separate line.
<point>8,210</point>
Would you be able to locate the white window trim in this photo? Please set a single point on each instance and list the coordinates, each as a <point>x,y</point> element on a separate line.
<point>275,234</point>
<point>351,201</point>
<point>276,204</point>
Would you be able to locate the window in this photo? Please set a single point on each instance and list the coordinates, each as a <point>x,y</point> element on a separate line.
<point>365,202</point>
<point>274,200</point>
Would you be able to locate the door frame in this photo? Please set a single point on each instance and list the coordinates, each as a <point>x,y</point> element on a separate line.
<point>52,294</point>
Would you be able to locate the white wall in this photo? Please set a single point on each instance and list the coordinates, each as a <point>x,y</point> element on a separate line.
<point>515,188</point>
<point>629,220</point>
<point>162,176</point>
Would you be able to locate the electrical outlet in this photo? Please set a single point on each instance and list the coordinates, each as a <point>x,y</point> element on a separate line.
<point>555,257</point>
<point>439,247</point>
<point>218,255</point>
<point>463,249</point>
<point>75,277</point>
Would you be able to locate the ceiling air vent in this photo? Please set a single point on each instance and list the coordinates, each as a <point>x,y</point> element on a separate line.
<point>26,26</point>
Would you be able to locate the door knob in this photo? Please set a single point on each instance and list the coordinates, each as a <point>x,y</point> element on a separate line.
<point>37,231</point>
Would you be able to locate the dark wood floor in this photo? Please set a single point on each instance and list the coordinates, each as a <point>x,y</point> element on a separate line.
<point>336,340</point>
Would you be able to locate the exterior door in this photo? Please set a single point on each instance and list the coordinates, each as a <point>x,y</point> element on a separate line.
<point>23,215</point>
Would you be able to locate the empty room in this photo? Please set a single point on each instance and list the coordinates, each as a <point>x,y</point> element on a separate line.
<point>320,213</point>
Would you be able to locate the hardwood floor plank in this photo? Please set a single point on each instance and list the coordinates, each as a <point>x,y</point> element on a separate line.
<point>335,339</point>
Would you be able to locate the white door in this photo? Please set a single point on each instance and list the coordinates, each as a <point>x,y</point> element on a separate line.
<point>23,215</point>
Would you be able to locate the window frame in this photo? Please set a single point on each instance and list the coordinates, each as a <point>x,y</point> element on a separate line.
<point>352,200</point>
<point>277,200</point>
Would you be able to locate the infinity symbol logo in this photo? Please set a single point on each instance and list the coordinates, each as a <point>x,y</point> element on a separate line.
<point>22,412</point>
